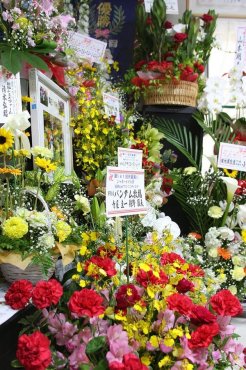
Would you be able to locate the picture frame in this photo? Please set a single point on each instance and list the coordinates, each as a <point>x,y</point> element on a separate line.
<point>50,118</point>
<point>224,8</point>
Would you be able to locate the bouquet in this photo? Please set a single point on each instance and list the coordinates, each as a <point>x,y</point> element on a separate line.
<point>155,315</point>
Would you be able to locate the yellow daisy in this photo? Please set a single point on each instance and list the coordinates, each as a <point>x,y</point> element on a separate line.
<point>45,164</point>
<point>230,173</point>
<point>11,171</point>
<point>6,140</point>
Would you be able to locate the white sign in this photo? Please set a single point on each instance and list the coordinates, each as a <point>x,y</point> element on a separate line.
<point>241,47</point>
<point>125,193</point>
<point>130,158</point>
<point>112,106</point>
<point>10,95</point>
<point>87,47</point>
<point>226,3</point>
<point>232,156</point>
<point>172,6</point>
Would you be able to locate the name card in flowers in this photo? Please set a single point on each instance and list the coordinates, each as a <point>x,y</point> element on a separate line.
<point>112,106</point>
<point>86,47</point>
<point>125,193</point>
<point>172,6</point>
<point>10,92</point>
<point>232,156</point>
<point>130,158</point>
<point>240,59</point>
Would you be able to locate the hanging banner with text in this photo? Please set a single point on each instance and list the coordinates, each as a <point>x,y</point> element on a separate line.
<point>125,193</point>
<point>10,92</point>
<point>130,158</point>
<point>232,157</point>
<point>241,47</point>
<point>112,106</point>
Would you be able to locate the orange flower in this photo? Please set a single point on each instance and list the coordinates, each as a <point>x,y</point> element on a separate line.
<point>10,171</point>
<point>194,235</point>
<point>224,253</point>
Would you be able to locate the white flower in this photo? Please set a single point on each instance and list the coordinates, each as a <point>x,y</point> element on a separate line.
<point>38,219</point>
<point>241,216</point>
<point>226,233</point>
<point>46,240</point>
<point>189,170</point>
<point>213,252</point>
<point>41,151</point>
<point>239,260</point>
<point>165,223</point>
<point>180,28</point>
<point>238,273</point>
<point>223,205</point>
<point>17,123</point>
<point>82,203</point>
<point>231,185</point>
<point>233,289</point>
<point>215,212</point>
<point>22,212</point>
<point>149,219</point>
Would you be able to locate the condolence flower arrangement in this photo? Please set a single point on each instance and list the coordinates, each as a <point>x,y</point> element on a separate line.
<point>28,31</point>
<point>156,317</point>
<point>170,53</point>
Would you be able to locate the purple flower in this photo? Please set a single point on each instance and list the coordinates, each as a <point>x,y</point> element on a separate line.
<point>118,343</point>
<point>61,328</point>
<point>78,357</point>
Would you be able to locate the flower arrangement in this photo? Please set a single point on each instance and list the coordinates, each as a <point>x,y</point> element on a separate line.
<point>156,317</point>
<point>169,53</point>
<point>29,30</point>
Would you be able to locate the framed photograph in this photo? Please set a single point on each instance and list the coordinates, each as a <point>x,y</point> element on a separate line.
<point>225,8</point>
<point>50,118</point>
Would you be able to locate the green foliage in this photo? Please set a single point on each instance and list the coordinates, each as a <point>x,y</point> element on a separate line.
<point>182,138</point>
<point>96,350</point>
<point>98,212</point>
<point>15,245</point>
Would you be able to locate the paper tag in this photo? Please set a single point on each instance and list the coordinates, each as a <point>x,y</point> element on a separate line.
<point>112,106</point>
<point>232,156</point>
<point>125,193</point>
<point>10,92</point>
<point>130,158</point>
<point>172,6</point>
<point>240,58</point>
<point>86,47</point>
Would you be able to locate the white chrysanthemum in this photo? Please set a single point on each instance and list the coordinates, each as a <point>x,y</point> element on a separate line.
<point>38,219</point>
<point>226,233</point>
<point>47,241</point>
<point>42,151</point>
<point>22,212</point>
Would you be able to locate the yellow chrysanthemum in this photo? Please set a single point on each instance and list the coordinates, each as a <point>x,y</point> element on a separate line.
<point>6,140</point>
<point>63,230</point>
<point>244,235</point>
<point>15,227</point>
<point>10,171</point>
<point>26,99</point>
<point>45,164</point>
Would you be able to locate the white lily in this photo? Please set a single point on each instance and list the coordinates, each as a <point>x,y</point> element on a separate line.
<point>231,186</point>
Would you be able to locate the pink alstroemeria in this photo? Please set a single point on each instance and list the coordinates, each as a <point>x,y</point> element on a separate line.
<point>78,357</point>
<point>118,343</point>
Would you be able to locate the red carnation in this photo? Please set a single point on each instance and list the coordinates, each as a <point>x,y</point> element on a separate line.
<point>130,362</point>
<point>144,278</point>
<point>241,187</point>
<point>139,65</point>
<point>18,294</point>
<point>200,67</point>
<point>33,351</point>
<point>201,315</point>
<point>170,258</point>
<point>179,37</point>
<point>126,296</point>
<point>104,263</point>
<point>195,270</point>
<point>86,302</point>
<point>207,18</point>
<point>184,286</point>
<point>202,337</point>
<point>166,185</point>
<point>46,293</point>
<point>224,303</point>
<point>180,303</point>
<point>139,82</point>
<point>167,25</point>
<point>89,83</point>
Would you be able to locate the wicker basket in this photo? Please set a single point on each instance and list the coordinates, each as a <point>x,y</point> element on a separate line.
<point>182,93</point>
<point>32,273</point>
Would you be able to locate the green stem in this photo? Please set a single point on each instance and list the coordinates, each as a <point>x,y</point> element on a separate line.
<point>38,188</point>
<point>225,214</point>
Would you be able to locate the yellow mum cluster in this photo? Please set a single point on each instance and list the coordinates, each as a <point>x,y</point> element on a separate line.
<point>15,227</point>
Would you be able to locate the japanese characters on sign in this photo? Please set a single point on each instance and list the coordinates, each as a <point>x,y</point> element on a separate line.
<point>232,156</point>
<point>112,106</point>
<point>172,6</point>
<point>10,92</point>
<point>241,47</point>
<point>104,12</point>
<point>125,193</point>
<point>130,158</point>
<point>87,47</point>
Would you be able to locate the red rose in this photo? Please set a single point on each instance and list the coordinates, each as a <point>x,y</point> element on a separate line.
<point>207,18</point>
<point>180,37</point>
<point>46,293</point>
<point>203,336</point>
<point>180,303</point>
<point>170,258</point>
<point>201,315</point>
<point>224,303</point>
<point>126,296</point>
<point>33,351</point>
<point>104,263</point>
<point>184,286</point>
<point>18,294</point>
<point>167,25</point>
<point>86,302</point>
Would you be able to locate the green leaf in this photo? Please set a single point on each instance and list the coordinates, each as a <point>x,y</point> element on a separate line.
<point>84,367</point>
<point>34,60</point>
<point>96,344</point>
<point>95,210</point>
<point>102,365</point>
<point>15,364</point>
<point>11,60</point>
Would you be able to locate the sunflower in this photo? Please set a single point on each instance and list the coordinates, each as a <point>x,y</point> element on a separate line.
<point>6,140</point>
<point>230,173</point>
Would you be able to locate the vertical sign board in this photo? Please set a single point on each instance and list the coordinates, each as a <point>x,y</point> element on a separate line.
<point>125,193</point>
<point>241,47</point>
<point>112,106</point>
<point>10,95</point>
